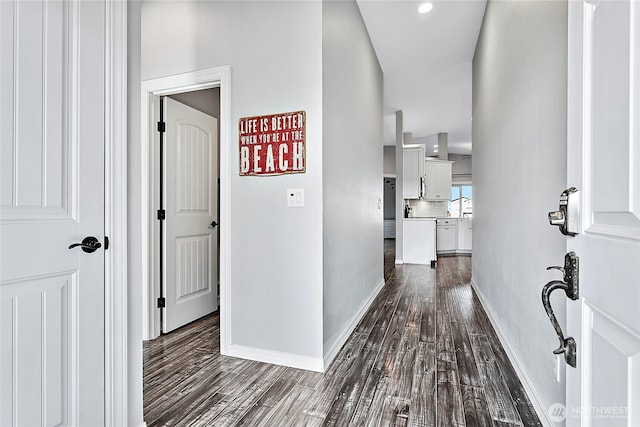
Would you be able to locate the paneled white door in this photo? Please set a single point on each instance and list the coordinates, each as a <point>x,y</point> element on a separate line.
<point>191,245</point>
<point>52,113</point>
<point>604,164</point>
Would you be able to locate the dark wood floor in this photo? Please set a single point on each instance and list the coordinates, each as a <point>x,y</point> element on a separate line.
<point>425,354</point>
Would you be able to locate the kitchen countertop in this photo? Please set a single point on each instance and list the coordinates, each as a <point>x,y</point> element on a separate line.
<point>430,218</point>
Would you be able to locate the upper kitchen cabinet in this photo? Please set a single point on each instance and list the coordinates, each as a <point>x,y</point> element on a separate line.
<point>438,179</point>
<point>413,171</point>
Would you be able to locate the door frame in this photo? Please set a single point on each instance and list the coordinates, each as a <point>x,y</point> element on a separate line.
<point>150,90</point>
<point>115,211</point>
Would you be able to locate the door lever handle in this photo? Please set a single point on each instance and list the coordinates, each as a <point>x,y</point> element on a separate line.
<point>89,244</point>
<point>570,287</point>
<point>567,345</point>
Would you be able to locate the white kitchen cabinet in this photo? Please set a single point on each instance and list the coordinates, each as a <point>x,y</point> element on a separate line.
<point>447,235</point>
<point>412,171</point>
<point>453,236</point>
<point>464,235</point>
<point>467,242</point>
<point>419,241</point>
<point>437,179</point>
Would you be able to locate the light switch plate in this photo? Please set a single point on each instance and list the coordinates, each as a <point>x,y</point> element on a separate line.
<point>295,197</point>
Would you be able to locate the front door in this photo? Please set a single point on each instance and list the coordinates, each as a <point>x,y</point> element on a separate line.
<point>191,251</point>
<point>52,111</point>
<point>604,165</point>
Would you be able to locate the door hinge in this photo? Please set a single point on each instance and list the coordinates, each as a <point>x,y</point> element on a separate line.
<point>162,126</point>
<point>161,302</point>
<point>161,214</point>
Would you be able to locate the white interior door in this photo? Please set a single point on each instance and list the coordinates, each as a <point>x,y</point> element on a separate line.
<point>604,164</point>
<point>51,195</point>
<point>191,244</point>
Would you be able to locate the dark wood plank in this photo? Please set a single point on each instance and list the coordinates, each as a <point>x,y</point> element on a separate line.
<point>461,307</point>
<point>519,396</point>
<point>465,360</point>
<point>422,411</point>
<point>476,411</point>
<point>521,400</point>
<point>374,388</point>
<point>288,410</point>
<point>349,394</point>
<point>266,402</point>
<point>193,394</point>
<point>449,405</point>
<point>369,413</point>
<point>381,325</point>
<point>401,378</point>
<point>499,399</point>
<point>391,341</point>
<point>445,350</point>
<point>319,404</point>
<point>395,412</point>
<point>449,396</point>
<point>428,321</point>
<point>209,409</point>
<point>236,407</point>
<point>352,348</point>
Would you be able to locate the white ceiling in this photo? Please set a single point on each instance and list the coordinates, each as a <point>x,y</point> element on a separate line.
<point>426,60</point>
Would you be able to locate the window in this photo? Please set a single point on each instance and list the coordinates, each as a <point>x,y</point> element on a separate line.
<point>461,203</point>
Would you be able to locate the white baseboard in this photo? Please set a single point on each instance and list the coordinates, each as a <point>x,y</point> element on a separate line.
<point>399,261</point>
<point>537,403</point>
<point>276,357</point>
<point>351,326</point>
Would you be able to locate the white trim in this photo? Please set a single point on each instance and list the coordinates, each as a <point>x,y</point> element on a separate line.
<point>196,80</point>
<point>351,326</point>
<point>276,357</point>
<point>116,332</point>
<point>536,401</point>
<point>399,261</point>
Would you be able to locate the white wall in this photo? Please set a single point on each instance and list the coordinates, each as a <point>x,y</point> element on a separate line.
<point>461,169</point>
<point>134,230</point>
<point>352,169</point>
<point>389,167</point>
<point>519,158</point>
<point>274,50</point>
<point>399,178</point>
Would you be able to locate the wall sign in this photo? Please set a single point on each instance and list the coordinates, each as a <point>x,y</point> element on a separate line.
<point>272,145</point>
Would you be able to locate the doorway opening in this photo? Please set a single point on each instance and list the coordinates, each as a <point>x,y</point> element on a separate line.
<point>389,198</point>
<point>186,185</point>
<point>206,90</point>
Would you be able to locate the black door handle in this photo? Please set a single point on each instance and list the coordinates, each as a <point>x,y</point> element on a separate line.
<point>213,225</point>
<point>570,288</point>
<point>89,244</point>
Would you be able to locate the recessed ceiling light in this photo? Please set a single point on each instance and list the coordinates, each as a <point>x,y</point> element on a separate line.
<point>425,7</point>
<point>435,146</point>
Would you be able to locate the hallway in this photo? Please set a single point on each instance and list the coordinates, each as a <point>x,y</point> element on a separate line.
<point>425,354</point>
